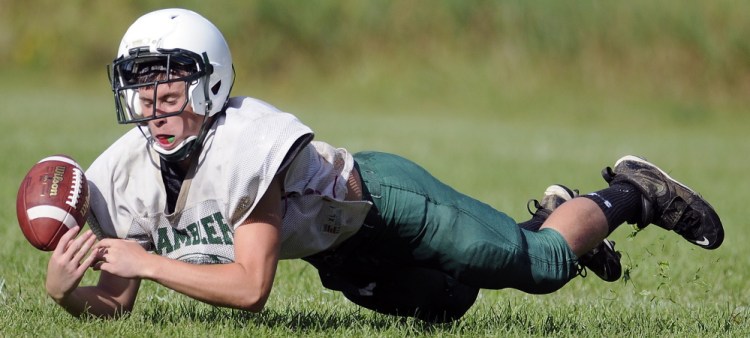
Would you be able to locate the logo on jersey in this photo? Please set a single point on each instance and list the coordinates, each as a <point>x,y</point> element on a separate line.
<point>208,240</point>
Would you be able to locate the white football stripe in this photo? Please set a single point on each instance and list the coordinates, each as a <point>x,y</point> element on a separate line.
<point>61,159</point>
<point>48,211</point>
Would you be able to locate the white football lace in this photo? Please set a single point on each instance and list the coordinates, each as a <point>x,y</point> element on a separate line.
<point>75,191</point>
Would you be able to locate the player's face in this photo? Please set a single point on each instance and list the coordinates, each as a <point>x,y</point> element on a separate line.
<point>170,97</point>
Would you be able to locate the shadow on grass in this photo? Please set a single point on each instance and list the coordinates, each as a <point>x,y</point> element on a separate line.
<point>288,320</point>
<point>501,319</point>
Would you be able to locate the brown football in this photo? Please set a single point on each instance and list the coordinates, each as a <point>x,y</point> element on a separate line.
<point>53,197</point>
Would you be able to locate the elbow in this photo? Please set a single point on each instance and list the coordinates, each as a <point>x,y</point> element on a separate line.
<point>252,302</point>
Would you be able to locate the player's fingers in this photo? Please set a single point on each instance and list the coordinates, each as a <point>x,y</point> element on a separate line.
<point>98,257</point>
<point>104,243</point>
<point>84,249</point>
<point>105,266</point>
<point>89,261</point>
<point>75,245</point>
<point>71,240</point>
<point>62,244</point>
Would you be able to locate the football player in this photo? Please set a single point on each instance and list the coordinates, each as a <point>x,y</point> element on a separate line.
<point>208,192</point>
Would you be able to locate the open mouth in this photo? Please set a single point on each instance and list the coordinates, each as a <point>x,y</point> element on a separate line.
<point>165,140</point>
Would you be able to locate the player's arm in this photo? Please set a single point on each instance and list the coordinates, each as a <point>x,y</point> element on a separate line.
<point>111,297</point>
<point>244,284</point>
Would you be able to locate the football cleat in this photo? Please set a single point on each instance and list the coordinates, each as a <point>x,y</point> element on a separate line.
<point>603,260</point>
<point>667,203</point>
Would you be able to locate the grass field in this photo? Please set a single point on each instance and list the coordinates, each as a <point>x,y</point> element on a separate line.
<point>673,289</point>
<point>498,126</point>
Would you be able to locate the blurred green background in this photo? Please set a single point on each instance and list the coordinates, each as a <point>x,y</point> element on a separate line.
<point>460,86</point>
<point>497,98</point>
<point>675,49</point>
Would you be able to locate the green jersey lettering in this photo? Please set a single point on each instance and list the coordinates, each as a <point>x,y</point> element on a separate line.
<point>181,238</point>
<point>195,234</point>
<point>210,230</point>
<point>226,231</point>
<point>163,246</point>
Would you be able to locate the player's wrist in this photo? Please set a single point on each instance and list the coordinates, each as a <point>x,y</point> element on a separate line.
<point>56,292</point>
<point>64,299</point>
<point>57,296</point>
<point>151,266</point>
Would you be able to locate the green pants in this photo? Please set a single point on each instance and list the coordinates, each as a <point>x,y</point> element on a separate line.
<point>421,230</point>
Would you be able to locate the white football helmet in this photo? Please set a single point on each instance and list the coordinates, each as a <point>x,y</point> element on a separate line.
<point>171,45</point>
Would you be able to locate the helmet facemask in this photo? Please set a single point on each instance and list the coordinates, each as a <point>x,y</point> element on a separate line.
<point>143,70</point>
<point>173,44</point>
<point>146,70</point>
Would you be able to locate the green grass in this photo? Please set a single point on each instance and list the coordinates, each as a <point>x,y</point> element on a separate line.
<point>550,102</point>
<point>503,156</point>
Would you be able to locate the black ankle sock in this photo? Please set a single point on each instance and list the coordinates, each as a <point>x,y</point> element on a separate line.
<point>620,203</point>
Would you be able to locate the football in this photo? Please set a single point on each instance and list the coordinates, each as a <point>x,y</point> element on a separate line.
<point>53,198</point>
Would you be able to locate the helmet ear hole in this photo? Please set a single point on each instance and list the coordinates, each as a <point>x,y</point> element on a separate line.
<point>216,87</point>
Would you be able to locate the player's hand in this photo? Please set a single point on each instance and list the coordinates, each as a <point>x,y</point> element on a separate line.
<point>67,266</point>
<point>123,258</point>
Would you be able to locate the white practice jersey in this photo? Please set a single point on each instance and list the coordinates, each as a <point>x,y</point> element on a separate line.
<point>242,152</point>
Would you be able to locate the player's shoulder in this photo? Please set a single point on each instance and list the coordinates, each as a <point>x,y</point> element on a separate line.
<point>247,114</point>
<point>246,105</point>
<point>125,150</point>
